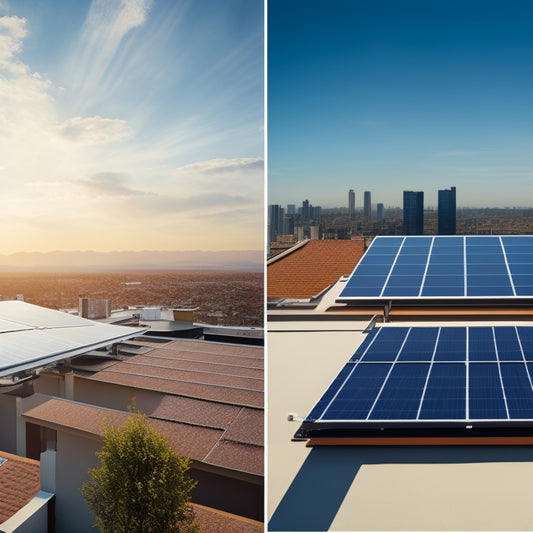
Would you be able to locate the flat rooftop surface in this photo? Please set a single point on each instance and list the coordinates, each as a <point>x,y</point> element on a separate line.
<point>385,488</point>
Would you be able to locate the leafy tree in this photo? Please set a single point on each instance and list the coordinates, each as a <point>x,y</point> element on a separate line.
<point>142,485</point>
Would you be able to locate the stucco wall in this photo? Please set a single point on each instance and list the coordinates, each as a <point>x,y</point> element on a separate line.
<point>75,455</point>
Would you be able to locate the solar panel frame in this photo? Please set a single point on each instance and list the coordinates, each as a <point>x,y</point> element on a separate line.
<point>386,384</point>
<point>480,268</point>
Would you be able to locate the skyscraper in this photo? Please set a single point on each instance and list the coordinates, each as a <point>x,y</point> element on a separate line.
<point>447,212</point>
<point>368,204</point>
<point>413,212</point>
<point>379,211</point>
<point>305,209</point>
<point>275,217</point>
<point>351,203</point>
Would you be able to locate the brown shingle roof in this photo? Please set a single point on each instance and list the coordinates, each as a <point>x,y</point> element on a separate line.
<point>19,483</point>
<point>210,407</point>
<point>309,269</point>
<point>201,443</point>
<point>212,371</point>
<point>214,521</point>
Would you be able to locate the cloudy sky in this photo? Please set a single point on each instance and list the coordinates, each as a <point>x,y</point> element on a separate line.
<point>390,95</point>
<point>131,125</point>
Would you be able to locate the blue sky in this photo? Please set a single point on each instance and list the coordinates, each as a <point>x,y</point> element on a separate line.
<point>388,95</point>
<point>131,124</point>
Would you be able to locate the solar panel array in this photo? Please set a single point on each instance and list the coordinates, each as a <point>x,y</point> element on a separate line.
<point>426,374</point>
<point>444,267</point>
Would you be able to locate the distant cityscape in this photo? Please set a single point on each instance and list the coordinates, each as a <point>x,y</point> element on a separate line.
<point>294,223</point>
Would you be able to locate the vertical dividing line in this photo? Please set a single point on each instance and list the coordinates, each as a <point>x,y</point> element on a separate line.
<point>427,377</point>
<point>467,381</point>
<point>426,269</point>
<point>500,372</point>
<point>392,267</point>
<point>388,374</point>
<point>464,263</point>
<point>348,376</point>
<point>507,266</point>
<point>523,357</point>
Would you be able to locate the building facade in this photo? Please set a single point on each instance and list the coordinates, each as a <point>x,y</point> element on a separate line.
<point>368,204</point>
<point>447,212</point>
<point>351,203</point>
<point>413,212</point>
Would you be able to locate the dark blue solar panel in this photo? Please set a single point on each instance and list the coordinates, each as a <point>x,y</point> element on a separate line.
<point>385,346</point>
<point>485,393</point>
<point>499,267</point>
<point>445,397</point>
<point>437,269</point>
<point>429,373</point>
<point>331,392</point>
<point>518,390</point>
<point>419,345</point>
<point>451,345</point>
<point>400,398</point>
<point>526,341</point>
<point>481,345</point>
<point>358,395</point>
<point>507,344</point>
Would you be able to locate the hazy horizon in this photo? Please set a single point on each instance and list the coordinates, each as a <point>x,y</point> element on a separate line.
<point>147,259</point>
<point>131,124</point>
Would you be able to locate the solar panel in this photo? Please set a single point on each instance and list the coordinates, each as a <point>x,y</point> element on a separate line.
<point>449,267</point>
<point>426,376</point>
<point>32,337</point>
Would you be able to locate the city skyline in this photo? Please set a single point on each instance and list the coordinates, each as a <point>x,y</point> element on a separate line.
<point>386,96</point>
<point>132,125</point>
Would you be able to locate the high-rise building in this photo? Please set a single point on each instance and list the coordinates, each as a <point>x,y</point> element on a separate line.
<point>305,209</point>
<point>291,209</point>
<point>351,203</point>
<point>275,217</point>
<point>447,212</point>
<point>379,211</point>
<point>367,205</point>
<point>413,212</point>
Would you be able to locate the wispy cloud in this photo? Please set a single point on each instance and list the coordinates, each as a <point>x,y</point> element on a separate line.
<point>223,166</point>
<point>95,130</point>
<point>107,24</point>
<point>110,184</point>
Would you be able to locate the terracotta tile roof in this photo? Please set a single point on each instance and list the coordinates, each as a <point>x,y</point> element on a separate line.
<point>311,268</point>
<point>213,521</point>
<point>19,483</point>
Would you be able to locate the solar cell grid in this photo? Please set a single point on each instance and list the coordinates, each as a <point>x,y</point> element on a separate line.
<point>427,374</point>
<point>444,267</point>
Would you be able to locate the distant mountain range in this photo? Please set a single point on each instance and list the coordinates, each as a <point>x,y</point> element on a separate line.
<point>248,260</point>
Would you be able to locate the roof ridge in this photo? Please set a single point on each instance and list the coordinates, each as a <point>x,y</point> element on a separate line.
<point>297,246</point>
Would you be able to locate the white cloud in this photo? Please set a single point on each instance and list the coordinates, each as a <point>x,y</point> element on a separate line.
<point>110,184</point>
<point>224,166</point>
<point>107,24</point>
<point>12,31</point>
<point>95,130</point>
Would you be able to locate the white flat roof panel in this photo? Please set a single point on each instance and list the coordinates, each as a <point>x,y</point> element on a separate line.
<point>32,337</point>
<point>33,315</point>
